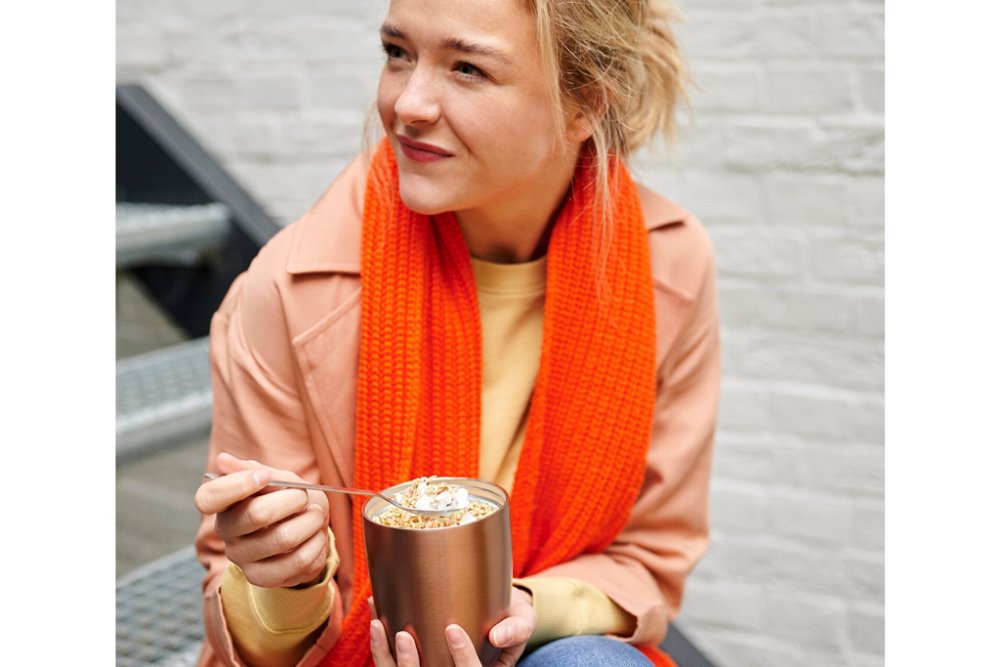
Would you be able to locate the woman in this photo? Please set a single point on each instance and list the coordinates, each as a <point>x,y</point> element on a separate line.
<point>487,294</point>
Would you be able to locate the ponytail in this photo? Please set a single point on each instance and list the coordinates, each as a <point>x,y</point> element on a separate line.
<point>662,77</point>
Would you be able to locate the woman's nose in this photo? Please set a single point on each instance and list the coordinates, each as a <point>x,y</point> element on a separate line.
<point>417,103</point>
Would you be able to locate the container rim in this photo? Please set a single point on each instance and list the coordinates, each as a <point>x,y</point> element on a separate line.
<point>374,505</point>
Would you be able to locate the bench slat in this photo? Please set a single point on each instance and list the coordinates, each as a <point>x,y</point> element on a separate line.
<point>158,613</point>
<point>162,397</point>
<point>164,233</point>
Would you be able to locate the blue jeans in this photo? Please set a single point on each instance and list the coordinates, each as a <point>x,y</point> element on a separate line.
<point>585,651</point>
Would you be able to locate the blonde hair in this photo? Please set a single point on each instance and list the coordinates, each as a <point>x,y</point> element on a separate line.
<point>619,63</point>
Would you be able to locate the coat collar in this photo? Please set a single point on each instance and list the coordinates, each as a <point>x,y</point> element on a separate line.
<point>328,236</point>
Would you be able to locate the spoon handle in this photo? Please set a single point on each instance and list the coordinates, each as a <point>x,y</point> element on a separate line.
<point>320,487</point>
<point>305,485</point>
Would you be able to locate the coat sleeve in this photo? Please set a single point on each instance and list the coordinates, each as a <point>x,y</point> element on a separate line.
<point>645,568</point>
<point>257,414</point>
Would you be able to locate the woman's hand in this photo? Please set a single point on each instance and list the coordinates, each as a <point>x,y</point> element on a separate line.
<point>511,635</point>
<point>277,536</point>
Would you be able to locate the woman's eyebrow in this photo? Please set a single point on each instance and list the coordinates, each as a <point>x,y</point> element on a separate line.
<point>451,44</point>
<point>472,48</point>
<point>390,30</point>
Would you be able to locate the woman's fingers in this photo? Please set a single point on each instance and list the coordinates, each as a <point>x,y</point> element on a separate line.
<point>406,648</point>
<point>222,493</point>
<point>511,631</point>
<point>510,634</point>
<point>279,538</point>
<point>463,652</point>
<point>301,566</point>
<point>460,646</point>
<point>318,547</point>
<point>406,651</point>
<point>319,498</point>
<point>380,646</point>
<point>227,463</point>
<point>520,622</point>
<point>260,511</point>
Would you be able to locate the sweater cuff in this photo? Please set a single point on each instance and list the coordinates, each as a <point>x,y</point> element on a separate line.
<point>567,607</point>
<point>271,622</point>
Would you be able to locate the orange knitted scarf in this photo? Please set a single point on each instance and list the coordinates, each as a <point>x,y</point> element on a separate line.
<point>420,369</point>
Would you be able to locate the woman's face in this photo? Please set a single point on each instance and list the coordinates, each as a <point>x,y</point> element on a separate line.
<point>465,104</point>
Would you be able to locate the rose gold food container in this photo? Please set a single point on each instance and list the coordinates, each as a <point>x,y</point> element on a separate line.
<point>424,580</point>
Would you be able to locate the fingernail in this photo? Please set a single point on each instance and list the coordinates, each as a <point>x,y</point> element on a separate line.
<point>403,648</point>
<point>260,476</point>
<point>501,636</point>
<point>454,635</point>
<point>373,630</point>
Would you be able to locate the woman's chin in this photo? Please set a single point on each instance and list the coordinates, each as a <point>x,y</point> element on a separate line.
<point>425,205</point>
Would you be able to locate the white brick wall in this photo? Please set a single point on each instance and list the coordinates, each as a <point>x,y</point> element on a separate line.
<point>783,162</point>
<point>277,96</point>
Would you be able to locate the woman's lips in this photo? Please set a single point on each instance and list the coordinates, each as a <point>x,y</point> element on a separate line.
<point>420,152</point>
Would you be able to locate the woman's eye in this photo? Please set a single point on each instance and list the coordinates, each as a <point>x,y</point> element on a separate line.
<point>470,71</point>
<point>392,51</point>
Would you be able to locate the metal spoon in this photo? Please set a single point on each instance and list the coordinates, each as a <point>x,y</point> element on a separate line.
<point>356,492</point>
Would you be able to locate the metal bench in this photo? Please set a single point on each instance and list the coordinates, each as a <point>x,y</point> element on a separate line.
<point>168,234</point>
<point>162,397</point>
<point>158,613</point>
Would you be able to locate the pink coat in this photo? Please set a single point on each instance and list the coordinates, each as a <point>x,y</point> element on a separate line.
<point>284,352</point>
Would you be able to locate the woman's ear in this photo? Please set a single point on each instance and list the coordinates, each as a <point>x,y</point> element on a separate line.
<point>584,114</point>
<point>579,128</point>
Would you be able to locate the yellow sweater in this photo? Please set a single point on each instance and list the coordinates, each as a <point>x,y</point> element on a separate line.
<point>273,627</point>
